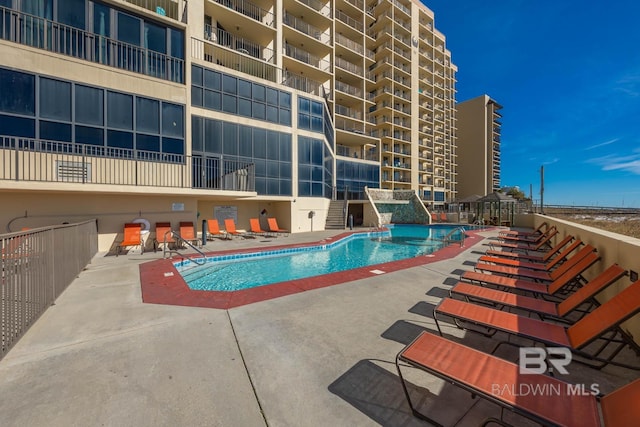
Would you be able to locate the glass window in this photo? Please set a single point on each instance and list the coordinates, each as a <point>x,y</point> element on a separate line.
<point>18,92</point>
<point>212,100</point>
<point>101,19</point>
<point>89,135</point>
<point>197,133</point>
<point>304,150</point>
<point>245,142</point>
<point>285,147</point>
<point>316,124</point>
<point>17,126</point>
<point>273,170</point>
<point>244,88</point>
<point>196,75</point>
<point>230,138</point>
<point>304,121</point>
<point>285,100</point>
<point>172,145</point>
<point>213,136</point>
<point>177,43</point>
<point>119,139</point>
<point>129,29</point>
<point>272,114</point>
<point>285,170</point>
<point>244,107</point>
<point>229,104</point>
<point>55,131</point>
<point>304,105</point>
<point>119,110</point>
<point>72,13</point>
<point>259,143</point>
<point>316,108</point>
<point>55,99</point>
<point>89,105</point>
<point>172,120</point>
<point>259,111</point>
<point>155,37</point>
<point>147,143</point>
<point>197,95</point>
<point>285,187</point>
<point>148,115</point>
<point>212,80</point>
<point>259,92</point>
<point>229,84</point>
<point>272,96</point>
<point>285,117</point>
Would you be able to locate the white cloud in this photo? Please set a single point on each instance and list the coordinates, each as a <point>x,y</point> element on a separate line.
<point>630,163</point>
<point>602,144</point>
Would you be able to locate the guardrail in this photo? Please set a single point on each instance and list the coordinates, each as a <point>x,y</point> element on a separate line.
<point>36,266</point>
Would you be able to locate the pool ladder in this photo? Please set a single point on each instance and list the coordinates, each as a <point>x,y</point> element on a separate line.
<point>198,260</point>
<point>448,238</point>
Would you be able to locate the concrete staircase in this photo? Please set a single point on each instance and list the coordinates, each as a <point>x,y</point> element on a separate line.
<point>336,219</point>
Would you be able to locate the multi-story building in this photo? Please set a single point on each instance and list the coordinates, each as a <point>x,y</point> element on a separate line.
<point>168,110</point>
<point>478,146</point>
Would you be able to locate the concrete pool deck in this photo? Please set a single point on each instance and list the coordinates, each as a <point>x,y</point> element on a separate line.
<point>100,356</point>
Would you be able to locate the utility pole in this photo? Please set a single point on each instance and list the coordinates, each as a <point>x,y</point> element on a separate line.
<point>542,190</point>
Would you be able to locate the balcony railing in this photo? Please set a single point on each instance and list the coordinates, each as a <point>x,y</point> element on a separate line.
<point>322,8</point>
<point>306,28</point>
<point>250,10</point>
<point>350,44</point>
<point>167,8</point>
<point>50,161</point>
<point>349,66</point>
<point>54,37</point>
<point>343,17</point>
<point>306,57</point>
<point>347,88</point>
<point>239,44</point>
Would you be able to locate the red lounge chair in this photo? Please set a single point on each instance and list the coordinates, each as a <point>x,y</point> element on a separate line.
<point>164,235</point>
<point>531,265</point>
<point>562,283</point>
<point>479,373</point>
<point>595,325</point>
<point>230,226</point>
<point>536,274</point>
<point>543,308</point>
<point>532,257</point>
<point>132,237</point>
<point>188,234</point>
<point>213,230</point>
<point>273,226</point>
<point>536,232</point>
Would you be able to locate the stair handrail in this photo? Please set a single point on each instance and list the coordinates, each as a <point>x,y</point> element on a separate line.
<point>199,261</point>
<point>448,238</point>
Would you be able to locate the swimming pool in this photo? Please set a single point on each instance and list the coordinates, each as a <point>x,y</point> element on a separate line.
<point>248,270</point>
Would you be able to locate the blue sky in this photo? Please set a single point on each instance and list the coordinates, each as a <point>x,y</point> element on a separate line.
<point>567,74</point>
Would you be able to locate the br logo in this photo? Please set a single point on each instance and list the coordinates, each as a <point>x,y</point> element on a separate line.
<point>536,360</point>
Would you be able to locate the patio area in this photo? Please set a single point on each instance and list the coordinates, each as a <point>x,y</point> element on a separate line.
<point>100,356</point>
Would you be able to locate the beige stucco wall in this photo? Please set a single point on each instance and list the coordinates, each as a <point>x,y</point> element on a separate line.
<point>612,248</point>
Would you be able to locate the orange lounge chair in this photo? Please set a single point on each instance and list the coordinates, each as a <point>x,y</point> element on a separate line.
<point>434,217</point>
<point>527,239</point>
<point>594,326</point>
<point>164,235</point>
<point>213,230</point>
<point>535,274</point>
<point>532,257</point>
<point>273,226</point>
<point>537,231</point>
<point>187,233</point>
<point>478,373</point>
<point>132,237</point>
<point>501,299</point>
<point>522,246</point>
<point>532,265</point>
<point>230,226</point>
<point>443,217</point>
<point>254,225</point>
<point>573,276</point>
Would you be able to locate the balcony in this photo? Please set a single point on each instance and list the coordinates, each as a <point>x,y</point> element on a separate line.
<point>33,160</point>
<point>349,21</point>
<point>168,8</point>
<point>349,66</point>
<point>360,152</point>
<point>225,39</point>
<point>308,29</point>
<point>51,36</point>
<point>347,88</point>
<point>349,44</point>
<point>307,58</point>
<point>323,9</point>
<point>250,10</point>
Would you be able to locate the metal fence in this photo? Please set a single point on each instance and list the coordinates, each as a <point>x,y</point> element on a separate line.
<point>36,267</point>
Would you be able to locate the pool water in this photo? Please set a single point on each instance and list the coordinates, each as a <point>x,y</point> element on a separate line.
<point>249,270</point>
